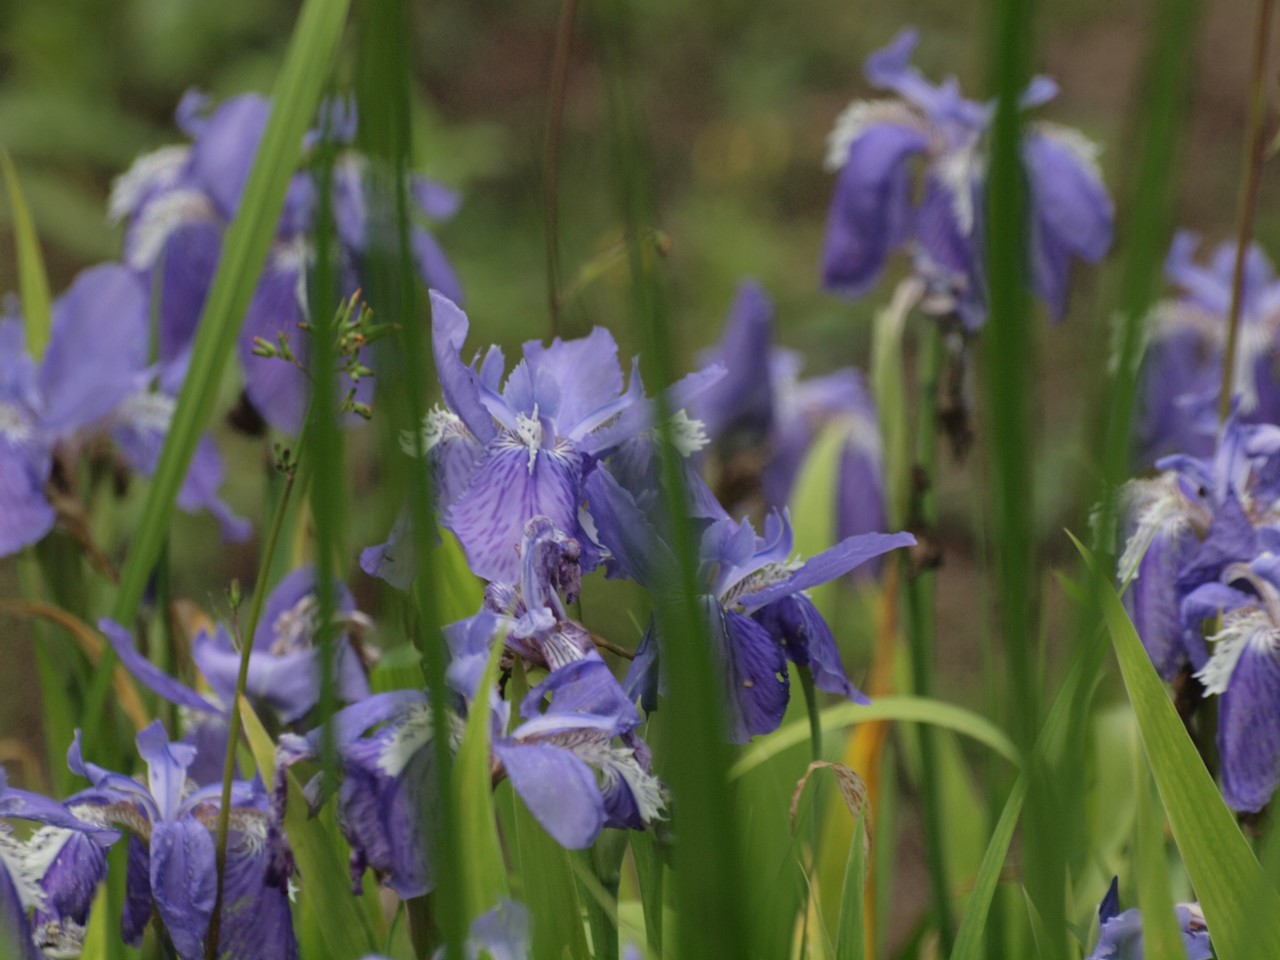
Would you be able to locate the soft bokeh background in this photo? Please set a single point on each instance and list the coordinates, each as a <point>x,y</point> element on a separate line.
<point>739,98</point>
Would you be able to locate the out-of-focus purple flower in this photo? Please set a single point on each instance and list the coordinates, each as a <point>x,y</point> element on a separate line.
<point>1181,375</point>
<point>1120,936</point>
<point>504,453</point>
<point>762,420</point>
<point>47,882</point>
<point>880,206</point>
<point>172,858</point>
<point>754,595</point>
<point>92,383</point>
<point>177,202</point>
<point>500,934</point>
<point>285,667</point>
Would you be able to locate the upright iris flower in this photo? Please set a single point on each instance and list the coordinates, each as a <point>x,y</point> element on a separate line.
<point>1185,528</point>
<point>754,596</point>
<point>506,452</point>
<point>1120,936</point>
<point>880,205</point>
<point>172,858</point>
<point>177,201</point>
<point>92,387</point>
<point>53,875</point>
<point>763,420</point>
<point>1182,368</point>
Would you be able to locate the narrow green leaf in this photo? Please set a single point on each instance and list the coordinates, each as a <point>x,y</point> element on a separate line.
<point>887,383</point>
<point>297,90</point>
<point>33,282</point>
<point>968,943</point>
<point>644,852</point>
<point>1241,907</point>
<point>485,874</point>
<point>851,932</point>
<point>322,867</point>
<point>1160,937</point>
<point>910,709</point>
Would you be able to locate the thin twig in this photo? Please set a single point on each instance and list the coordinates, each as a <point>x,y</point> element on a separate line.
<point>1253,160</point>
<point>613,648</point>
<point>551,171</point>
<point>233,734</point>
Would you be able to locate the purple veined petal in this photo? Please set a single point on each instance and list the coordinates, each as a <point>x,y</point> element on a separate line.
<point>71,864</point>
<point>255,920</point>
<point>755,673</point>
<point>1231,539</point>
<point>828,565</point>
<point>511,485</point>
<point>558,788</point>
<point>434,199</point>
<point>224,148</point>
<point>871,212</point>
<point>581,687</point>
<point>740,407</point>
<point>184,882</point>
<point>528,389</point>
<point>137,899</point>
<point>207,733</point>
<point>434,267</point>
<point>796,622</point>
<point>167,764</point>
<point>587,371</point>
<point>1153,601</point>
<point>624,529</point>
<point>25,464</point>
<point>97,347</point>
<point>632,795</point>
<point>107,783</point>
<point>460,384</point>
<point>350,723</point>
<point>277,388</point>
<point>187,263</point>
<point>1249,726</point>
<point>474,635</point>
<point>151,676</point>
<point>24,805</point>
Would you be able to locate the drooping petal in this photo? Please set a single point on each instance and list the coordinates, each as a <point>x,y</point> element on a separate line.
<point>755,673</point>
<point>510,486</point>
<point>137,896</point>
<point>871,213</point>
<point>15,929</point>
<point>1153,601</point>
<point>149,675</point>
<point>1249,726</point>
<point>187,263</point>
<point>184,882</point>
<point>434,266</point>
<point>70,865</point>
<point>558,788</point>
<point>25,464</point>
<point>796,622</point>
<point>255,920</point>
<point>828,565</point>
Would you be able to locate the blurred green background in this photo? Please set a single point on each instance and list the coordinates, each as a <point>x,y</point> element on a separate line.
<point>739,96</point>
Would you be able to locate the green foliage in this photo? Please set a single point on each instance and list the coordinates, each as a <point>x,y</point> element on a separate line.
<point>33,285</point>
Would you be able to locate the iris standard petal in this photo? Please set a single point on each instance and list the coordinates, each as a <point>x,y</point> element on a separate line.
<point>739,409</point>
<point>459,383</point>
<point>224,148</point>
<point>587,371</point>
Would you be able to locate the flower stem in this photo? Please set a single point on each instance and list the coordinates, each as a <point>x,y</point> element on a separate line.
<point>811,705</point>
<point>551,164</point>
<point>1254,150</point>
<point>233,733</point>
<point>921,624</point>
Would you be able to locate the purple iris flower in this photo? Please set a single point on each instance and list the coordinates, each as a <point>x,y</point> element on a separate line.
<point>177,202</point>
<point>500,934</point>
<point>763,420</point>
<point>47,882</point>
<point>879,206</point>
<point>754,595</point>
<point>1187,526</point>
<point>285,667</point>
<point>1120,936</point>
<point>504,453</point>
<point>1182,369</point>
<point>172,859</point>
<point>92,384</point>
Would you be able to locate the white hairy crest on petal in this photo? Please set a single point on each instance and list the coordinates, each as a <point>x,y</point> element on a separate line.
<point>857,117</point>
<point>159,219</point>
<point>14,424</point>
<point>407,738</point>
<point>155,170</point>
<point>438,423</point>
<point>1158,506</point>
<point>1240,629</point>
<point>688,435</point>
<point>529,430</point>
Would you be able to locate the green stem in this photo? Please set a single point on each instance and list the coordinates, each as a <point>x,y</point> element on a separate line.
<point>921,627</point>
<point>551,169</point>
<point>233,734</point>
<point>1248,196</point>
<point>811,705</point>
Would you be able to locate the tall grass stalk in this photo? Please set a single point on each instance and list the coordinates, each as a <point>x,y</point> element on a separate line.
<point>551,158</point>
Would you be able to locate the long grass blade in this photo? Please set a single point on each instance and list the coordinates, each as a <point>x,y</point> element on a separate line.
<point>33,283</point>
